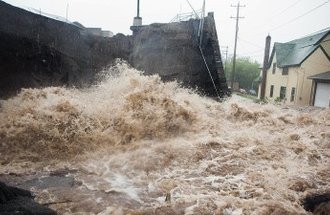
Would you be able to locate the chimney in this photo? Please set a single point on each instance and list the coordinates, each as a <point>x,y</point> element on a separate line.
<point>265,67</point>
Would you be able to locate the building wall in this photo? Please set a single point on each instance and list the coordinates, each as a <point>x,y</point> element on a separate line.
<point>276,79</point>
<point>315,64</point>
<point>172,51</point>
<point>292,83</point>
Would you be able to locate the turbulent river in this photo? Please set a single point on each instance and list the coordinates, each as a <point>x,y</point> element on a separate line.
<point>135,145</point>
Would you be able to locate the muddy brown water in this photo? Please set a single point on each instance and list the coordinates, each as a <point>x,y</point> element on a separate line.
<point>134,145</point>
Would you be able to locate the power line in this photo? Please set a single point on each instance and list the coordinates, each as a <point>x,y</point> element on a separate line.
<point>289,7</point>
<point>277,14</point>
<point>319,31</point>
<point>292,20</point>
<point>298,17</point>
<point>251,56</point>
<point>251,43</point>
<point>252,52</point>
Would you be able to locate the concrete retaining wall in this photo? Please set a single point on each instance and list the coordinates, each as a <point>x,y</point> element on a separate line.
<point>38,51</point>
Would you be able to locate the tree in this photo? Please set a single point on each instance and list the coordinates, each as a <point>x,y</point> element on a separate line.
<point>246,72</point>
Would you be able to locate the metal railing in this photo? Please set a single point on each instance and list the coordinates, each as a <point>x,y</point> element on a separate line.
<point>186,16</point>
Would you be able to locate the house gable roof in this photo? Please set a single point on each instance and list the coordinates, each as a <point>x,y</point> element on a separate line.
<point>295,52</point>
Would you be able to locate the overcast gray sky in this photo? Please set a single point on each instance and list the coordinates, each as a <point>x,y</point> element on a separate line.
<point>284,20</point>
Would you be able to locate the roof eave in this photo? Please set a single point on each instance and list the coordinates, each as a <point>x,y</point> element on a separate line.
<point>320,77</point>
<point>324,36</point>
<point>289,65</point>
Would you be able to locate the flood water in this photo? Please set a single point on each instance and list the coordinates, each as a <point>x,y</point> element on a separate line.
<point>136,145</point>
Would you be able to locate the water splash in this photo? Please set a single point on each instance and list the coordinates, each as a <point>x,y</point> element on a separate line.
<point>61,123</point>
<point>131,142</point>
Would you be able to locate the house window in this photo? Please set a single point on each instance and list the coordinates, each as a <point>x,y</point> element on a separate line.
<point>271,91</point>
<point>282,92</point>
<point>293,94</point>
<point>274,68</point>
<point>285,71</point>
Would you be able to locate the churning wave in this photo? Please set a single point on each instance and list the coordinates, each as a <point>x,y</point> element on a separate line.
<point>137,145</point>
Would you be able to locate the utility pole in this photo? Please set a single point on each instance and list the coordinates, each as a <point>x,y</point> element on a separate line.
<point>238,6</point>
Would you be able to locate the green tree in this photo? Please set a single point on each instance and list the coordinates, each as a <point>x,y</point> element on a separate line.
<point>247,71</point>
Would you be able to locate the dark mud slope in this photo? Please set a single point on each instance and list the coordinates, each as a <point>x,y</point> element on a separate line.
<point>18,201</point>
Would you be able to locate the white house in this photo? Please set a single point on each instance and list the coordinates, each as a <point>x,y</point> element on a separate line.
<point>293,66</point>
